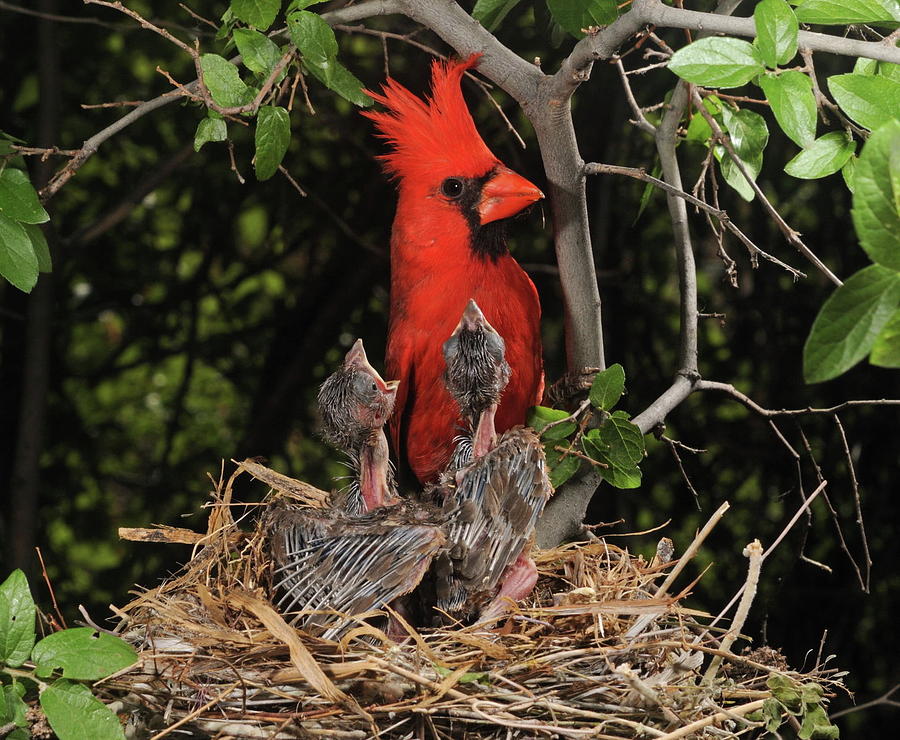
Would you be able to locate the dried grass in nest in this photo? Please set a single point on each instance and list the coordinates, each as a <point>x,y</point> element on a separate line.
<point>598,651</point>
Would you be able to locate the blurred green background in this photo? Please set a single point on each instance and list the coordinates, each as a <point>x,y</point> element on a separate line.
<point>192,317</point>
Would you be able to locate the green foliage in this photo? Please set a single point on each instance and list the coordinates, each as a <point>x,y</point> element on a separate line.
<point>258,13</point>
<point>886,350</point>
<point>575,15</point>
<point>224,81</point>
<point>804,701</point>
<point>316,41</point>
<point>749,135</point>
<point>717,62</point>
<point>790,96</point>
<point>490,13</point>
<point>776,32</point>
<point>75,713</point>
<point>616,445</point>
<point>876,200</point>
<point>273,136</point>
<point>607,387</point>
<point>840,12</point>
<point>16,620</point>
<point>210,129</point>
<point>849,322</point>
<point>868,100</point>
<point>82,654</point>
<point>860,316</point>
<point>18,199</point>
<point>258,53</point>
<point>824,156</point>
<point>23,247</point>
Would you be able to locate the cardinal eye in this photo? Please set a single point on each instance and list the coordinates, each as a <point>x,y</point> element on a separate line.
<point>374,387</point>
<point>452,187</point>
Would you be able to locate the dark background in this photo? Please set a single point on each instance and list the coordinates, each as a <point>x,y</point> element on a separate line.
<point>190,318</point>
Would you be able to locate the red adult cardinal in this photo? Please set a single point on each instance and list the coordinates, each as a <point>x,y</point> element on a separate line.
<point>448,246</point>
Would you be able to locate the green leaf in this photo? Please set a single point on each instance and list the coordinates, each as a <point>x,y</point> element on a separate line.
<point>18,261</point>
<point>849,322</point>
<point>825,156</point>
<point>210,129</point>
<point>816,725</point>
<point>18,198</point>
<point>886,350</point>
<point>573,15</point>
<point>772,714</point>
<point>75,714</point>
<point>848,172</point>
<point>562,466</point>
<point>618,444</point>
<point>259,13</point>
<point>12,708</point>
<point>314,38</point>
<point>842,12</point>
<point>749,135</point>
<point>540,416</point>
<point>16,620</point>
<point>301,4</point>
<point>811,693</point>
<point>40,247</point>
<point>82,654</point>
<point>791,97</point>
<point>259,54</point>
<point>608,387</point>
<point>273,135</point>
<point>889,70</point>
<point>876,196</point>
<point>490,13</point>
<point>223,81</point>
<point>776,32</point>
<point>340,79</point>
<point>717,62</point>
<point>863,66</point>
<point>870,101</point>
<point>785,691</point>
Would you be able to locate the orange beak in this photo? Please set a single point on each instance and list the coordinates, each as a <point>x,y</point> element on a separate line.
<point>504,195</point>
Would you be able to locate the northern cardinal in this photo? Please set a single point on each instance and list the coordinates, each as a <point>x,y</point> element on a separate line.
<point>354,404</point>
<point>448,245</point>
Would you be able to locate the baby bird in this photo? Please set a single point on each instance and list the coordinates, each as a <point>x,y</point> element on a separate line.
<point>476,374</point>
<point>354,404</point>
<point>496,496</point>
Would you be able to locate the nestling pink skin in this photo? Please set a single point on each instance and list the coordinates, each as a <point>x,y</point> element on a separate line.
<point>519,580</point>
<point>485,438</point>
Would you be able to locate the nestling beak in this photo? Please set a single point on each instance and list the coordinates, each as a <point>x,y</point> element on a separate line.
<point>472,319</point>
<point>356,357</point>
<point>504,195</point>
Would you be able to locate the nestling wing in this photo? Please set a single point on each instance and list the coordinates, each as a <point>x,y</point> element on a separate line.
<point>497,502</point>
<point>330,567</point>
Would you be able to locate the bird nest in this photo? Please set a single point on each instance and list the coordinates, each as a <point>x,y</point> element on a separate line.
<point>599,650</point>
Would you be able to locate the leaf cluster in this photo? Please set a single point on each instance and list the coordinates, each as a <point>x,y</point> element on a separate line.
<point>803,701</point>
<point>58,666</point>
<point>615,444</point>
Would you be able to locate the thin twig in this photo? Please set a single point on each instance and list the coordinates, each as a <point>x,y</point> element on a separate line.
<point>787,528</point>
<point>857,504</point>
<point>792,236</point>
